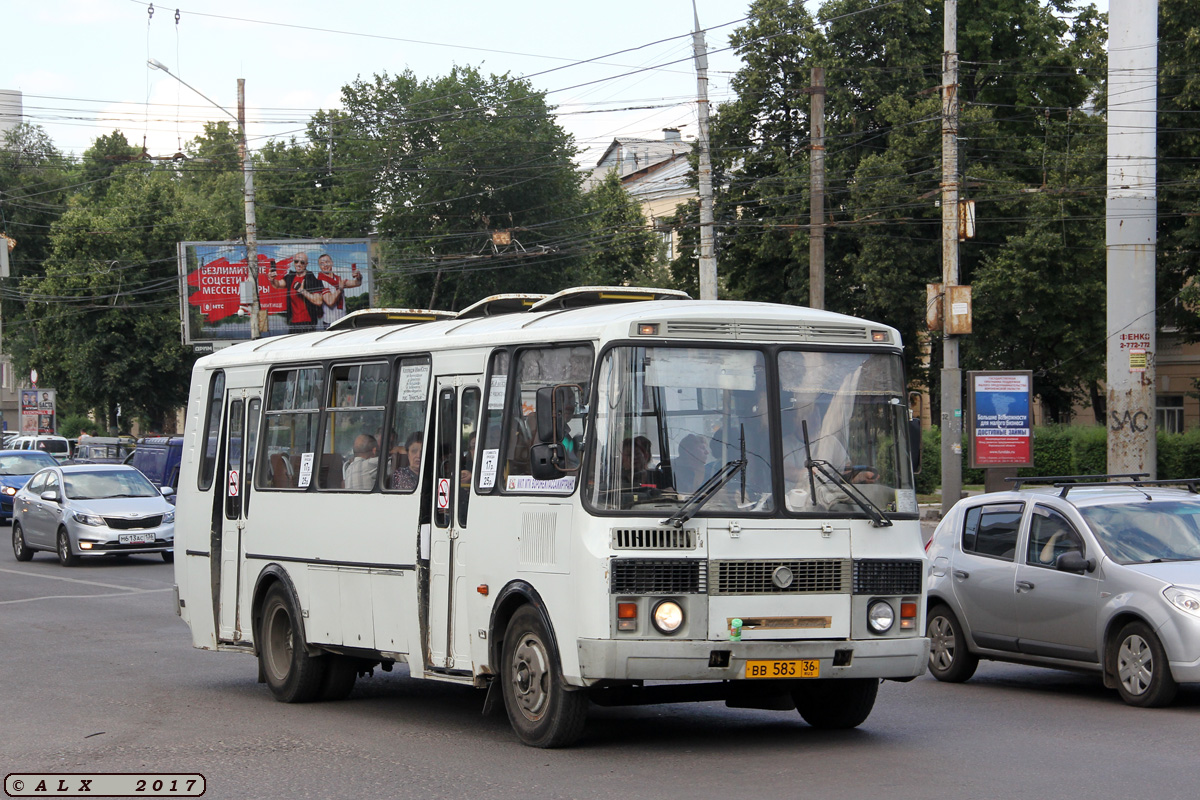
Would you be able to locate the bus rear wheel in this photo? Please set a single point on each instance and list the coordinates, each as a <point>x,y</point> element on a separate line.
<point>542,710</point>
<point>292,674</point>
<point>836,704</point>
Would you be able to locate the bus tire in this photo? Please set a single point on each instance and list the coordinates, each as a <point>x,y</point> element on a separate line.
<point>340,674</point>
<point>542,710</point>
<point>292,674</point>
<point>836,704</point>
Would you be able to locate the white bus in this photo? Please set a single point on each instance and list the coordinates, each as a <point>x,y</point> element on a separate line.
<point>610,495</point>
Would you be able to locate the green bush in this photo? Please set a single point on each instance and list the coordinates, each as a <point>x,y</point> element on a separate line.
<point>1091,450</point>
<point>70,425</point>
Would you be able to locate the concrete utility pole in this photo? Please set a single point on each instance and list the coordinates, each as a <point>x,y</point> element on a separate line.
<point>251,222</point>
<point>816,211</point>
<point>952,418</point>
<point>708,261</point>
<point>1132,212</point>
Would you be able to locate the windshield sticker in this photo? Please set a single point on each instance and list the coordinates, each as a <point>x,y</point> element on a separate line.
<point>414,383</point>
<point>527,483</point>
<point>487,469</point>
<point>306,466</point>
<point>496,392</point>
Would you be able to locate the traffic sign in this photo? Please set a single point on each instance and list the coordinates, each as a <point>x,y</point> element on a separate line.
<point>443,494</point>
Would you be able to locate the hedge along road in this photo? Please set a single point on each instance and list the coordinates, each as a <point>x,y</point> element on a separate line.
<point>100,676</point>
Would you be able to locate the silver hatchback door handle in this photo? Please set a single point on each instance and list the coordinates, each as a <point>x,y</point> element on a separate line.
<point>1026,585</point>
<point>961,573</point>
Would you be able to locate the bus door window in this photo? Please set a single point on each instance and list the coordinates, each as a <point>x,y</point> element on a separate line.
<point>406,430</point>
<point>212,427</point>
<point>234,476</point>
<point>292,427</point>
<point>254,410</point>
<point>535,369</point>
<point>445,457</point>
<point>493,424</point>
<point>353,427</point>
<point>469,420</point>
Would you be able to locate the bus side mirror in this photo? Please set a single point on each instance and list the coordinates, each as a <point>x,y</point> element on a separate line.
<point>543,461</point>
<point>914,443</point>
<point>549,418</point>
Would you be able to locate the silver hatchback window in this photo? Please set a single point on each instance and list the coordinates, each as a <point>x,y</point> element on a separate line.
<point>991,530</point>
<point>1137,533</point>
<point>1050,535</point>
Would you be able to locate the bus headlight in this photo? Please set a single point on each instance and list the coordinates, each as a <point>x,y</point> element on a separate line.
<point>880,616</point>
<point>667,616</point>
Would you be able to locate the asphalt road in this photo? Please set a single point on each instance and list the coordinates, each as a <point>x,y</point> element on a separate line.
<point>99,676</point>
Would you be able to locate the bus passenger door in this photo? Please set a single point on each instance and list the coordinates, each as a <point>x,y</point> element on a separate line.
<point>240,443</point>
<point>452,448</point>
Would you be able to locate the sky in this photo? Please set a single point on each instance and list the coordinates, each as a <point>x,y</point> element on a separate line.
<point>82,64</point>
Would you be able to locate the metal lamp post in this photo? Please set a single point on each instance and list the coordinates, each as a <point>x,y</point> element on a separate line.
<point>248,192</point>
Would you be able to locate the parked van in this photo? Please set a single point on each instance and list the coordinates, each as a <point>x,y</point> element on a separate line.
<point>57,446</point>
<point>158,458</point>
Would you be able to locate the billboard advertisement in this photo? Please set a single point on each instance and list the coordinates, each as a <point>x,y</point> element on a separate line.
<point>1001,419</point>
<point>303,286</point>
<point>37,411</point>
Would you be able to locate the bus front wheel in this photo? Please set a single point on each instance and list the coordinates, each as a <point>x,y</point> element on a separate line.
<point>542,710</point>
<point>292,674</point>
<point>836,704</point>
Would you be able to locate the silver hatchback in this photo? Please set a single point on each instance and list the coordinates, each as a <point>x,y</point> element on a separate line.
<point>1101,577</point>
<point>92,510</point>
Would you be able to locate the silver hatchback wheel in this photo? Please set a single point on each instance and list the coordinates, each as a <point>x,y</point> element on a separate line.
<point>1139,663</point>
<point>1135,665</point>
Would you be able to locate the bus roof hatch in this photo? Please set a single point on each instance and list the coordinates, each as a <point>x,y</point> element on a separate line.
<point>373,317</point>
<point>603,295</point>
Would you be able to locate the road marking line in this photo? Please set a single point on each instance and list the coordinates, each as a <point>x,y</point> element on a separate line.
<point>81,596</point>
<point>70,580</point>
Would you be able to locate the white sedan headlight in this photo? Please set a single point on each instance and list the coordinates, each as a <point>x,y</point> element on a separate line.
<point>88,519</point>
<point>1183,599</point>
<point>169,517</point>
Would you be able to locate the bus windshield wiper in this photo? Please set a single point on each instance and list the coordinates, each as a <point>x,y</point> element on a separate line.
<point>705,493</point>
<point>878,518</point>
<point>710,487</point>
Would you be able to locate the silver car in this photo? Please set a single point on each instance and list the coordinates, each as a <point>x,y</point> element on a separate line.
<point>92,510</point>
<point>1100,577</point>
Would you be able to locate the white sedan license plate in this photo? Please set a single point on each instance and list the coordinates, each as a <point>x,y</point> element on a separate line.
<point>137,538</point>
<point>798,668</point>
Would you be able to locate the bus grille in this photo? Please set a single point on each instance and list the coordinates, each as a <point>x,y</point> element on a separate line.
<point>126,524</point>
<point>647,576</point>
<point>653,539</point>
<point>886,576</point>
<point>811,576</point>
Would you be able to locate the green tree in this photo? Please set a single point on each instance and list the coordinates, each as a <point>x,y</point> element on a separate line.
<point>622,248</point>
<point>104,319</point>
<point>453,159</point>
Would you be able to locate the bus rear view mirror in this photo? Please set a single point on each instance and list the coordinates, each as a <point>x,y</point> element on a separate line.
<point>914,444</point>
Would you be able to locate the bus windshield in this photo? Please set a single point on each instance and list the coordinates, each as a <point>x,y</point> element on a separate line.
<point>669,418</point>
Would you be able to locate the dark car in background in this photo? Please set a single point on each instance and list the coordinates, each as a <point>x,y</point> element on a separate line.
<point>15,468</point>
<point>158,458</point>
<point>103,450</point>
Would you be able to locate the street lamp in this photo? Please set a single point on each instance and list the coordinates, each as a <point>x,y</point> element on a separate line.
<point>248,193</point>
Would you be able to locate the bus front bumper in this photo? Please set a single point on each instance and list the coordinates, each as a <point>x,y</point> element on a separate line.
<point>600,659</point>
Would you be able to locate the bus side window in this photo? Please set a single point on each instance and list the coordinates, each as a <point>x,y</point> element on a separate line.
<point>291,429</point>
<point>493,423</point>
<point>535,369</point>
<point>400,458</point>
<point>354,427</point>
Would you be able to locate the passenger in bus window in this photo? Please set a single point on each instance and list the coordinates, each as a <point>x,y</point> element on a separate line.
<point>362,469</point>
<point>635,460</point>
<point>406,477</point>
<point>690,467</point>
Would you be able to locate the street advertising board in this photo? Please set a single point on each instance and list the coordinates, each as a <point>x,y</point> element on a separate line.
<point>38,412</point>
<point>303,285</point>
<point>1000,418</point>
